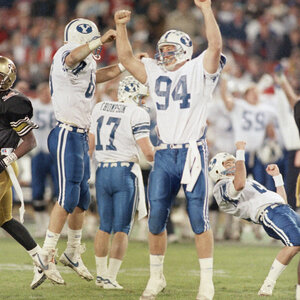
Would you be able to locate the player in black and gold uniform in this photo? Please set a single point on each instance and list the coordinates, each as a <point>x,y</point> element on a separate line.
<point>15,126</point>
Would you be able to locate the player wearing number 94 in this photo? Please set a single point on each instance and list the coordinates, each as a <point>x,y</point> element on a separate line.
<point>249,200</point>
<point>180,87</point>
<point>73,77</point>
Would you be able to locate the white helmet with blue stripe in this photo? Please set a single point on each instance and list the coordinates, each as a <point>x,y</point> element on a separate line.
<point>183,48</point>
<point>131,90</point>
<point>82,31</point>
<point>216,167</point>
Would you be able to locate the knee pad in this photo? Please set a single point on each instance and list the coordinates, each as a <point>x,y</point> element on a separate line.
<point>158,218</point>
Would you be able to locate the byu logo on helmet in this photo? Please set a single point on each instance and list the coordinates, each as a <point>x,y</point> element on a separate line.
<point>84,28</point>
<point>186,41</point>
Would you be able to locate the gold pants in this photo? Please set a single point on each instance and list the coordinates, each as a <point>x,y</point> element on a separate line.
<point>6,195</point>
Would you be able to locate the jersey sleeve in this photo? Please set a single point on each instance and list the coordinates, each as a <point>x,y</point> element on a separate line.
<point>19,114</point>
<point>74,71</point>
<point>140,123</point>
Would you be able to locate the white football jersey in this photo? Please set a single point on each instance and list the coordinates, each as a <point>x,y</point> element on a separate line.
<point>247,203</point>
<point>250,121</point>
<point>43,115</point>
<point>117,126</point>
<point>72,90</point>
<point>180,99</point>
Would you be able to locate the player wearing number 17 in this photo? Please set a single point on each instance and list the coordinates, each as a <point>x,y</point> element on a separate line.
<point>180,87</point>
<point>73,78</point>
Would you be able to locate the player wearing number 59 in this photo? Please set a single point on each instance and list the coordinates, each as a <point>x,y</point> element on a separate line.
<point>180,87</point>
<point>249,200</point>
<point>73,77</point>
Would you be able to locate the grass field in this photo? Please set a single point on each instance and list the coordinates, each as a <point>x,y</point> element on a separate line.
<point>239,270</point>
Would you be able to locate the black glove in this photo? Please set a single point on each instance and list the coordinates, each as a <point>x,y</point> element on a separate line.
<point>2,163</point>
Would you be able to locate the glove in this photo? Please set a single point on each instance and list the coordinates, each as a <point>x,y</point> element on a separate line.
<point>2,163</point>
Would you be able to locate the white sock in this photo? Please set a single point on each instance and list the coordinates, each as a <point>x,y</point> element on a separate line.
<point>206,269</point>
<point>51,240</point>
<point>74,239</point>
<point>298,292</point>
<point>34,251</point>
<point>113,268</point>
<point>101,266</point>
<point>276,269</point>
<point>156,265</point>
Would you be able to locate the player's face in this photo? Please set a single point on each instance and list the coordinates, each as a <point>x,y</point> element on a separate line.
<point>252,96</point>
<point>229,165</point>
<point>168,53</point>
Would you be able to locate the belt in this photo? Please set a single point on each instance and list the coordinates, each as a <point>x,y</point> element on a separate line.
<point>115,164</point>
<point>71,127</point>
<point>179,146</point>
<point>265,211</point>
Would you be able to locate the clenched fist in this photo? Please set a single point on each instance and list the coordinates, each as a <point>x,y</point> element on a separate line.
<point>273,170</point>
<point>122,16</point>
<point>108,36</point>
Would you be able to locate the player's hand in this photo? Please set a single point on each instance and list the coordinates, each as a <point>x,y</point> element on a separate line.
<point>203,3</point>
<point>273,170</point>
<point>122,16</point>
<point>240,145</point>
<point>108,36</point>
<point>142,55</point>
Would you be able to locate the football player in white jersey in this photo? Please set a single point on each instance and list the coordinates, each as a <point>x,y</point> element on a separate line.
<point>249,200</point>
<point>180,88</point>
<point>251,120</point>
<point>73,77</point>
<point>41,162</point>
<point>117,129</point>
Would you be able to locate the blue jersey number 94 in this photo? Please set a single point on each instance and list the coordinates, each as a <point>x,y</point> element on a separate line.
<point>163,89</point>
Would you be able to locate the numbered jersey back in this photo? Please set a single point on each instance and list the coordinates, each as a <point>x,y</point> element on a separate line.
<point>72,89</point>
<point>117,127</point>
<point>180,99</point>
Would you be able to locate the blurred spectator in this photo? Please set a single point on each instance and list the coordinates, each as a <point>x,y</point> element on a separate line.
<point>156,19</point>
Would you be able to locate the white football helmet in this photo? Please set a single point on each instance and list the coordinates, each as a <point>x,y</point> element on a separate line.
<point>131,90</point>
<point>82,31</point>
<point>183,49</point>
<point>216,168</point>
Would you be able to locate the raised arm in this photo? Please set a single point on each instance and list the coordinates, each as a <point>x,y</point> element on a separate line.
<point>281,79</point>
<point>81,52</point>
<point>125,54</point>
<point>273,170</point>
<point>213,35</point>
<point>239,180</point>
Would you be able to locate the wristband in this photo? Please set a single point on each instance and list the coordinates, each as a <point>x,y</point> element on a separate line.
<point>10,159</point>
<point>278,180</point>
<point>240,155</point>
<point>121,67</point>
<point>94,44</point>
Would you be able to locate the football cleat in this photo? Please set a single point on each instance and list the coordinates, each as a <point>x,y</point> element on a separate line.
<point>45,259</point>
<point>38,278</point>
<point>154,286</point>
<point>206,292</point>
<point>99,281</point>
<point>267,288</point>
<point>74,261</point>
<point>111,284</point>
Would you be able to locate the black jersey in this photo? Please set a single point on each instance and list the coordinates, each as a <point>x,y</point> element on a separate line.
<point>15,114</point>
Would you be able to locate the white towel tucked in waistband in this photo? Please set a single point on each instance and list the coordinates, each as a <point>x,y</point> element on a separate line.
<point>192,166</point>
<point>136,170</point>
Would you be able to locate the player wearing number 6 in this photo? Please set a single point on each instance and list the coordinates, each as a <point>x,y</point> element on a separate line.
<point>180,87</point>
<point>249,200</point>
<point>73,78</point>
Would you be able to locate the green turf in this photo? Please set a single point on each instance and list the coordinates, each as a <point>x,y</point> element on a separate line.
<point>239,270</point>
